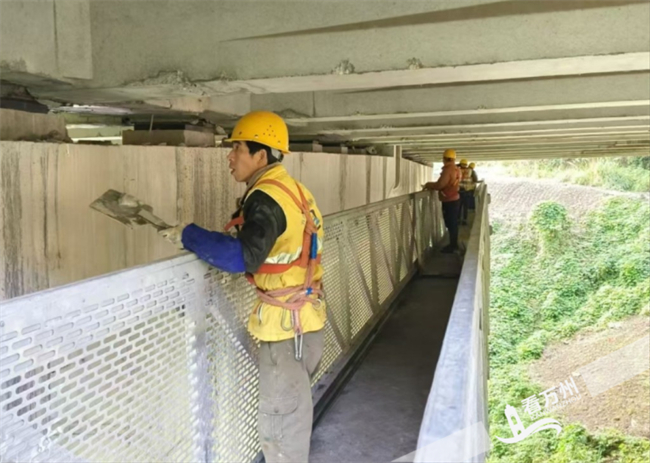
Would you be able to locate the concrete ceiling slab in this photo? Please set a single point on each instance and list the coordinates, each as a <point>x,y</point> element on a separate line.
<point>513,78</point>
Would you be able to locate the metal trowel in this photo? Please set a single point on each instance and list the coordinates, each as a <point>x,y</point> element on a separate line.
<point>128,210</point>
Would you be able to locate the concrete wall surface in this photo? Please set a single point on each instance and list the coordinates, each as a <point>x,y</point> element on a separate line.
<point>23,125</point>
<point>51,237</point>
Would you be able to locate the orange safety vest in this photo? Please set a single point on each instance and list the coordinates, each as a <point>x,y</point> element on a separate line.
<point>450,192</point>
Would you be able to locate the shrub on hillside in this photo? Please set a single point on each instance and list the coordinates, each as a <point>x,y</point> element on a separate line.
<point>548,285</point>
<point>551,223</point>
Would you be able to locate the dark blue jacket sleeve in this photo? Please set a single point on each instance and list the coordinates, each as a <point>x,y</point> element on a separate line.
<point>217,249</point>
<point>264,222</point>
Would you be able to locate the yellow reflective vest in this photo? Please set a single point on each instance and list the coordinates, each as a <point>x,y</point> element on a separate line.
<point>466,180</point>
<point>272,323</point>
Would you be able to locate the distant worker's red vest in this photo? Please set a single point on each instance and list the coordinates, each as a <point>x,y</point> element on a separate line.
<point>450,192</point>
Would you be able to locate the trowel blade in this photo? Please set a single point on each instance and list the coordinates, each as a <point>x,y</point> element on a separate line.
<point>121,207</point>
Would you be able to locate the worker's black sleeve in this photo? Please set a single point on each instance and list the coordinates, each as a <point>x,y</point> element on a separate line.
<point>264,222</point>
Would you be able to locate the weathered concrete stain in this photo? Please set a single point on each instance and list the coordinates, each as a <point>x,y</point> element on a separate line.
<point>56,209</point>
<point>18,65</point>
<point>12,209</point>
<point>41,277</point>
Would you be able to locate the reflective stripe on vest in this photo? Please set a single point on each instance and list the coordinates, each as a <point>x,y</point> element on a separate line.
<point>282,262</point>
<point>466,182</point>
<point>287,258</point>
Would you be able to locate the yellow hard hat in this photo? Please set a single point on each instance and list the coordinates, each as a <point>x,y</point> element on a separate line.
<point>463,162</point>
<point>262,127</point>
<point>472,165</point>
<point>450,154</point>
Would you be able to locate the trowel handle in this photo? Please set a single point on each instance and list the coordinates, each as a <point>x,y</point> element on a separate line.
<point>155,221</point>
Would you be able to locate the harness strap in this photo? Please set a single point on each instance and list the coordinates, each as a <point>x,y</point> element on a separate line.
<point>236,222</point>
<point>310,227</point>
<point>310,291</point>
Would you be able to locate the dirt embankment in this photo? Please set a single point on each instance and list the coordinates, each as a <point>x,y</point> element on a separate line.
<point>625,407</point>
<point>513,197</point>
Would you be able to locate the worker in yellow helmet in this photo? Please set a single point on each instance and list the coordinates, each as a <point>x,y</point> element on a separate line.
<point>447,187</point>
<point>279,245</point>
<point>467,187</point>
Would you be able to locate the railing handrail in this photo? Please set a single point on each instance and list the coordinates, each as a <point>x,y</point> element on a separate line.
<point>454,423</point>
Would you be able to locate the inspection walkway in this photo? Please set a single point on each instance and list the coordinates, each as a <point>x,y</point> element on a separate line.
<point>378,413</point>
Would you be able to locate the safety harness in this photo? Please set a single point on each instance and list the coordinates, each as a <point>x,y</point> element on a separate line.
<point>308,259</point>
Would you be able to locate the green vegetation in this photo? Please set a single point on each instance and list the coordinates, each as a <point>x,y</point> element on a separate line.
<point>550,279</point>
<point>621,174</point>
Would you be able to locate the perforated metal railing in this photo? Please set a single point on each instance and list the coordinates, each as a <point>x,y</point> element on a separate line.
<point>155,364</point>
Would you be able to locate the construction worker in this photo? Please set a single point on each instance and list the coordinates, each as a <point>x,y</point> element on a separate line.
<point>476,181</point>
<point>447,186</point>
<point>279,246</point>
<point>466,191</point>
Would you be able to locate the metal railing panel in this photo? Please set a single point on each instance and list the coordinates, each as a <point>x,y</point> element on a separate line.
<point>90,371</point>
<point>155,363</point>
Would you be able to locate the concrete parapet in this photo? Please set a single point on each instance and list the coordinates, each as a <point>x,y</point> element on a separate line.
<point>51,237</point>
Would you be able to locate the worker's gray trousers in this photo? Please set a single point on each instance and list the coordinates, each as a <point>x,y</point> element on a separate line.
<point>286,410</point>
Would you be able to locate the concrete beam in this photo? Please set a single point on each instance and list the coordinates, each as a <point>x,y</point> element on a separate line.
<point>635,145</point>
<point>533,156</point>
<point>176,86</point>
<point>189,136</point>
<point>471,154</point>
<point>478,117</point>
<point>524,69</point>
<point>526,142</point>
<point>424,130</point>
<point>94,132</point>
<point>480,95</point>
<point>587,142</point>
<point>560,156</point>
<point>507,135</point>
<point>544,154</point>
<point>471,112</point>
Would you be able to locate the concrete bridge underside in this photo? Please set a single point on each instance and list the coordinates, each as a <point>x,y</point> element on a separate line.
<point>495,79</point>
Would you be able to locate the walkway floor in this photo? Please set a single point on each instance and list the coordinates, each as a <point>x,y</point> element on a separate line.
<point>377,416</point>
